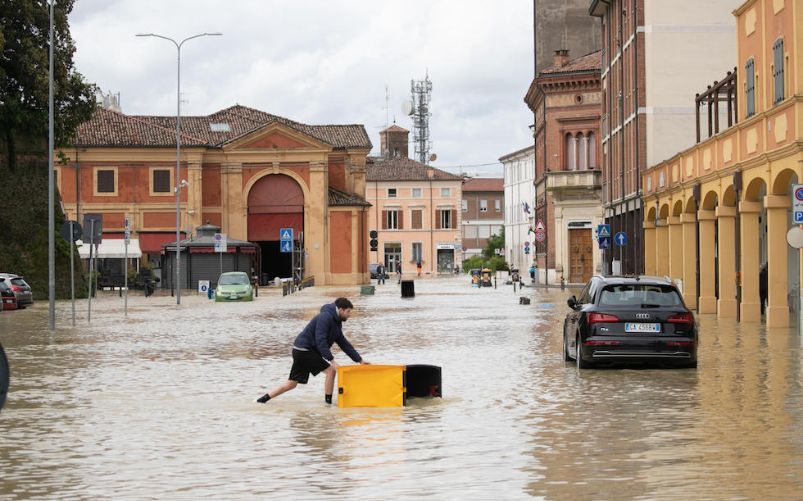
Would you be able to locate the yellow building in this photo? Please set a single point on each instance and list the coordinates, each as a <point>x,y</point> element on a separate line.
<point>716,214</point>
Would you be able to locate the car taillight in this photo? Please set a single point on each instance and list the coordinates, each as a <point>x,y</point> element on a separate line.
<point>594,342</point>
<point>594,318</point>
<point>680,344</point>
<point>681,318</point>
<point>16,288</point>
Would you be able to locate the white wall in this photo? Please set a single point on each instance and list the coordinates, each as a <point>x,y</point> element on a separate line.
<point>519,172</point>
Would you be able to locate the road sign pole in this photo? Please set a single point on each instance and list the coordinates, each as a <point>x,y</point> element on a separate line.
<point>125,275</point>
<point>89,289</point>
<point>72,272</point>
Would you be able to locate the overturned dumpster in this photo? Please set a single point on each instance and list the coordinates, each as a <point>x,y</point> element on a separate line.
<point>386,385</point>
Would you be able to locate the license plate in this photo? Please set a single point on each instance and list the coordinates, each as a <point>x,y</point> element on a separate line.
<point>642,327</point>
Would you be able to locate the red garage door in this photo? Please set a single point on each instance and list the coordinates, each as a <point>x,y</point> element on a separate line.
<point>275,201</point>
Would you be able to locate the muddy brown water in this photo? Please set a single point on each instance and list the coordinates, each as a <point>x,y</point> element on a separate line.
<point>160,405</point>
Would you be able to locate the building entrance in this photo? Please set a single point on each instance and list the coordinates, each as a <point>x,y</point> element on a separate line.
<point>392,257</point>
<point>445,260</point>
<point>581,259</point>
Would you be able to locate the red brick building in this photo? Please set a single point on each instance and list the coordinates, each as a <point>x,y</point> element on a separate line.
<point>483,208</point>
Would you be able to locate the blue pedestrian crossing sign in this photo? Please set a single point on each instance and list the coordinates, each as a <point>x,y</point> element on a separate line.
<point>620,239</point>
<point>286,235</point>
<point>603,230</point>
<point>286,246</point>
<point>604,242</point>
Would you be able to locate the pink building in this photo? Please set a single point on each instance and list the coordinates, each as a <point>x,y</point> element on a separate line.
<point>415,209</point>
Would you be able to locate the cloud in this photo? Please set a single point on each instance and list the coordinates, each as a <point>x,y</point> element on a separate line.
<point>319,61</point>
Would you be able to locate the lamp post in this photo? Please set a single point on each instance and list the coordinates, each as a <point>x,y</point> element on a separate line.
<point>177,179</point>
<point>51,192</point>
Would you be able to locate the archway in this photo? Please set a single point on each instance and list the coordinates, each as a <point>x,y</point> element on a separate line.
<point>275,201</point>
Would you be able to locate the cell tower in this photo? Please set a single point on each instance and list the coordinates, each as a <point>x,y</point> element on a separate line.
<point>418,110</point>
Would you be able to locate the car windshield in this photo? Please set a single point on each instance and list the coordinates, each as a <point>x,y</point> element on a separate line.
<point>639,295</point>
<point>233,279</point>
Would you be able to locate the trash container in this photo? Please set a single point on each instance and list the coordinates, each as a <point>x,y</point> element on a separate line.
<point>424,381</point>
<point>407,288</point>
<point>371,386</point>
<point>367,290</point>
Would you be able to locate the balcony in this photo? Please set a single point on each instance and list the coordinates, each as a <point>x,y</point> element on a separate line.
<point>574,183</point>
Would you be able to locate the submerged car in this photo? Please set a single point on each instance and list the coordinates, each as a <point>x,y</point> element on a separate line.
<point>234,286</point>
<point>21,289</point>
<point>629,319</point>
<point>7,295</point>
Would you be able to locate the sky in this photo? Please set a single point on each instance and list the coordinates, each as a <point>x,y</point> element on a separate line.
<point>325,62</point>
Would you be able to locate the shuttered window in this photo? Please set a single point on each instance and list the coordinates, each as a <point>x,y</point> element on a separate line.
<point>446,219</point>
<point>750,87</point>
<point>778,70</point>
<point>105,181</point>
<point>161,181</point>
<point>391,220</point>
<point>417,219</point>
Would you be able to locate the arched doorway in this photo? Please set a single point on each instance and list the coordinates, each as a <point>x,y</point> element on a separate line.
<point>275,201</point>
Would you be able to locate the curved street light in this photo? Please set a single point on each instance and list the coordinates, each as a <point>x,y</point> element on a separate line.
<point>177,179</point>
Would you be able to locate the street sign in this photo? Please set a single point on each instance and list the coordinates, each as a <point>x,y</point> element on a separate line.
<point>526,250</point>
<point>603,230</point>
<point>540,226</point>
<point>203,287</point>
<point>604,242</point>
<point>286,246</point>
<point>286,235</point>
<point>94,224</point>
<point>794,237</point>
<point>71,235</point>
<point>540,235</point>
<point>221,243</point>
<point>620,239</point>
<point>797,203</point>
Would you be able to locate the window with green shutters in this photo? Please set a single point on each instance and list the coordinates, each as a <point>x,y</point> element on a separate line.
<point>750,87</point>
<point>777,70</point>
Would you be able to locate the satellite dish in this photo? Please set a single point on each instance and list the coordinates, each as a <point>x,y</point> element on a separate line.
<point>407,107</point>
<point>433,157</point>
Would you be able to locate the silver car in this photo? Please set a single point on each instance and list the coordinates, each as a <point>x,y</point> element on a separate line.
<point>22,291</point>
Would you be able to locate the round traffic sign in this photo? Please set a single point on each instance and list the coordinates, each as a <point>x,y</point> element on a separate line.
<point>794,237</point>
<point>71,231</point>
<point>799,193</point>
<point>540,235</point>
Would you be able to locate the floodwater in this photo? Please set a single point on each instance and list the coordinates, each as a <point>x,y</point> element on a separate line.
<point>160,405</point>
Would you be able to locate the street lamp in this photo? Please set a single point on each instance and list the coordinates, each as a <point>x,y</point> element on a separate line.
<point>178,147</point>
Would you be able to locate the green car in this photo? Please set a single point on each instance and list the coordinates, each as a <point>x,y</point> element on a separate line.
<point>234,286</point>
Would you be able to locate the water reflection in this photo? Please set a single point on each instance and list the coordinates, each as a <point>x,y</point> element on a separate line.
<point>159,405</point>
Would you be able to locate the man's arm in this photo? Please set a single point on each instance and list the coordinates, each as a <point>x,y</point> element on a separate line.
<point>347,348</point>
<point>322,327</point>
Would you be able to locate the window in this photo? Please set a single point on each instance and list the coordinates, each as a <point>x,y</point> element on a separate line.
<point>391,220</point>
<point>582,154</point>
<point>446,218</point>
<point>418,251</point>
<point>750,87</point>
<point>470,231</point>
<point>777,70</point>
<point>571,152</point>
<point>417,217</point>
<point>160,180</point>
<point>391,192</point>
<point>484,231</point>
<point>446,192</point>
<point>106,181</point>
<point>639,295</point>
<point>465,205</point>
<point>416,193</point>
<point>498,205</point>
<point>483,206</point>
<point>592,151</point>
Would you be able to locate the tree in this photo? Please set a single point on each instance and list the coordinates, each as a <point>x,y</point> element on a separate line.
<point>494,243</point>
<point>24,47</point>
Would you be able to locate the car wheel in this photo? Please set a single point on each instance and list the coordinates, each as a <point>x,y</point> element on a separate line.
<point>566,356</point>
<point>581,364</point>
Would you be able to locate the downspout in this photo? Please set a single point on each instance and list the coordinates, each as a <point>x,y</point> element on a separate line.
<point>546,200</point>
<point>622,202</point>
<point>431,224</point>
<point>737,186</point>
<point>696,196</point>
<point>638,223</point>
<point>77,188</point>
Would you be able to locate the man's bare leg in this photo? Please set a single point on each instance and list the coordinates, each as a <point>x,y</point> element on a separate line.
<point>329,386</point>
<point>289,385</point>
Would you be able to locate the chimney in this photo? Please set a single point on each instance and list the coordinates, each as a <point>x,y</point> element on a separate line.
<point>561,57</point>
<point>430,172</point>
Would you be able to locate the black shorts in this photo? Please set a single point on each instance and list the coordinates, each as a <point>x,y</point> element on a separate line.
<point>306,363</point>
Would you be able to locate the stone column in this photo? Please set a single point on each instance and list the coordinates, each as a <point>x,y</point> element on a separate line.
<point>689,223</point>
<point>675,248</point>
<point>726,304</point>
<point>777,281</point>
<point>708,300</point>
<point>662,248</point>
<point>750,308</point>
<point>234,220</point>
<point>316,236</point>
<point>649,248</point>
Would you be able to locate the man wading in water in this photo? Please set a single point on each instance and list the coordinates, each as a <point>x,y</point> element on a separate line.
<point>311,349</point>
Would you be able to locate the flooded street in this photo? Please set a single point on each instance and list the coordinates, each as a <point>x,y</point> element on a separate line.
<point>161,405</point>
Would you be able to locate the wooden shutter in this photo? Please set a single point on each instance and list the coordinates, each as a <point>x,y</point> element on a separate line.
<point>417,222</point>
<point>437,219</point>
<point>400,226</point>
<point>161,181</point>
<point>453,219</point>
<point>105,181</point>
<point>384,220</point>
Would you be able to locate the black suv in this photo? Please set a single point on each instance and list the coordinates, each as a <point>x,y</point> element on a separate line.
<point>627,319</point>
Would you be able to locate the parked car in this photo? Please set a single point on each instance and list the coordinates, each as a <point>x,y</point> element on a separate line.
<point>21,289</point>
<point>629,319</point>
<point>234,286</point>
<point>7,295</point>
<point>374,275</point>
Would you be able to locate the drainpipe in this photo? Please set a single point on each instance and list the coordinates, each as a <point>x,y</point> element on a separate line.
<point>622,202</point>
<point>696,196</point>
<point>737,186</point>
<point>546,203</point>
<point>77,188</point>
<point>638,228</point>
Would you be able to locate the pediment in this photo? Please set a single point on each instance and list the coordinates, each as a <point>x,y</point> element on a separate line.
<point>276,136</point>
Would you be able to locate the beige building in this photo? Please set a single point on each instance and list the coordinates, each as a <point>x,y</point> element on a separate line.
<point>415,209</point>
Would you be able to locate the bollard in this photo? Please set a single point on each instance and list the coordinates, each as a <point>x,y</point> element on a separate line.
<point>494,281</point>
<point>210,293</point>
<point>524,300</point>
<point>407,288</point>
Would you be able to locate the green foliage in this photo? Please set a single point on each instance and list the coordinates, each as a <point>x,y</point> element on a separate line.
<point>495,263</point>
<point>473,262</point>
<point>494,243</point>
<point>24,74</point>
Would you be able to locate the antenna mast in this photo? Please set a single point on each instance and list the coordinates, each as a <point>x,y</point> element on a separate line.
<point>421,91</point>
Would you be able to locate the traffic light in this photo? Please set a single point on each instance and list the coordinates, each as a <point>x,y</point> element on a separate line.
<point>374,243</point>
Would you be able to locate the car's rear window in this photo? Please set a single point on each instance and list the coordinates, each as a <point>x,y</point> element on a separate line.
<point>19,281</point>
<point>639,295</point>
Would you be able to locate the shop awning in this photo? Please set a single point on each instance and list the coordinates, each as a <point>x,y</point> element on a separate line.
<point>111,248</point>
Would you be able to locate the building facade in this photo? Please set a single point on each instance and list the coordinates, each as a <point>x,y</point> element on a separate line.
<point>654,54</point>
<point>415,209</point>
<point>247,171</point>
<point>562,24</point>
<point>483,208</point>
<point>519,172</point>
<point>565,99</point>
<point>717,214</point>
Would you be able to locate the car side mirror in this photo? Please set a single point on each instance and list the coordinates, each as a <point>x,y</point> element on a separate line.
<point>572,302</point>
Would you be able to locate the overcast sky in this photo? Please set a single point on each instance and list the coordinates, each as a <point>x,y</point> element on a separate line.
<point>324,61</point>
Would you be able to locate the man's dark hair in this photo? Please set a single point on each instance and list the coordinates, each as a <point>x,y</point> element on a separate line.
<point>343,304</point>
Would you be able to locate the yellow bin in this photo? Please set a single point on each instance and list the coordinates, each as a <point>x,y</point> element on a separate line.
<point>371,386</point>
